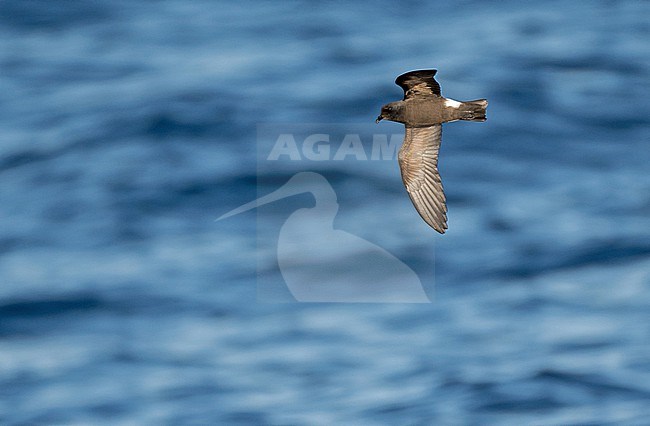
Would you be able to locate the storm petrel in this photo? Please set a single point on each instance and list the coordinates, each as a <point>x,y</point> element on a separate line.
<point>422,111</point>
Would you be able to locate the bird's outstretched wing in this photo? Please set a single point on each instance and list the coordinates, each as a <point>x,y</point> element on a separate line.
<point>419,82</point>
<point>418,162</point>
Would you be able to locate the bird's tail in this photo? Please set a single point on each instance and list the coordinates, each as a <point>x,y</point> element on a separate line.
<point>473,110</point>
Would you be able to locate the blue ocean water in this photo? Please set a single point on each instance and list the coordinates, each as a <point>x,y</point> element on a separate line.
<point>128,127</point>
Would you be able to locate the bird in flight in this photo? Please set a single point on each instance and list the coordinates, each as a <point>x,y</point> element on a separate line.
<point>422,111</point>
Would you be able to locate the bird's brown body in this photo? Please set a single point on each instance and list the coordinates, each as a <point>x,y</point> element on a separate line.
<point>423,110</point>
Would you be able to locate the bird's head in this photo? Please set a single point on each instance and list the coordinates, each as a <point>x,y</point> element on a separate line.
<point>391,111</point>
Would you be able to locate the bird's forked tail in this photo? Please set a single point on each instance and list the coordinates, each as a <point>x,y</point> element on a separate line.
<point>473,110</point>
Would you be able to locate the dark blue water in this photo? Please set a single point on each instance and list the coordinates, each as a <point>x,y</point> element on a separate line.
<point>127,128</point>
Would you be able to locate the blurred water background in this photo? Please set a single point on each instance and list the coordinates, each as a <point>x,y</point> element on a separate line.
<point>127,127</point>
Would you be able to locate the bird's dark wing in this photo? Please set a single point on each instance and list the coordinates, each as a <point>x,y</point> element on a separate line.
<point>419,82</point>
<point>418,161</point>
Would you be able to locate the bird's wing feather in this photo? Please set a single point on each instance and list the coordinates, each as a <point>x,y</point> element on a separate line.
<point>419,82</point>
<point>418,162</point>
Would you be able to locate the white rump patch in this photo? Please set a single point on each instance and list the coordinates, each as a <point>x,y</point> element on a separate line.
<point>450,103</point>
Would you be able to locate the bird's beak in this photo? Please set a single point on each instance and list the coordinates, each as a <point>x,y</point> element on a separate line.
<point>379,119</point>
<point>298,184</point>
<point>280,193</point>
